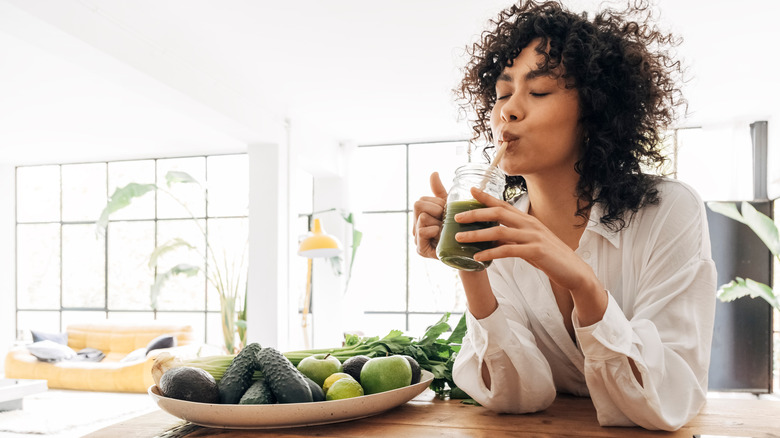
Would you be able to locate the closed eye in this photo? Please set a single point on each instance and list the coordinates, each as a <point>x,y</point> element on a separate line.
<point>538,94</point>
<point>506,96</point>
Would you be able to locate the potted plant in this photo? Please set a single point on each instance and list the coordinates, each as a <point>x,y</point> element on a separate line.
<point>765,228</point>
<point>224,275</point>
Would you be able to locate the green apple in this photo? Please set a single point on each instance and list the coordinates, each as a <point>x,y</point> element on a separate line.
<point>381,374</point>
<point>319,366</point>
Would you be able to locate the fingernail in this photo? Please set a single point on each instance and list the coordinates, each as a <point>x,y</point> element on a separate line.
<point>458,216</point>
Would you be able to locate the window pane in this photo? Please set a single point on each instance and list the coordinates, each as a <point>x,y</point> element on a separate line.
<point>716,161</point>
<point>129,277</point>
<point>122,173</point>
<point>380,266</point>
<point>433,286</point>
<point>181,292</point>
<point>81,317</point>
<point>38,193</point>
<point>214,329</point>
<point>228,183</point>
<point>425,159</point>
<point>419,323</point>
<point>381,179</point>
<point>194,319</point>
<point>83,267</point>
<point>189,194</point>
<point>42,321</point>
<point>131,316</point>
<point>228,260</point>
<point>83,191</point>
<point>380,324</point>
<point>38,266</point>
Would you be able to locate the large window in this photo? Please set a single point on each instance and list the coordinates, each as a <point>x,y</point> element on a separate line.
<point>66,272</point>
<point>401,289</point>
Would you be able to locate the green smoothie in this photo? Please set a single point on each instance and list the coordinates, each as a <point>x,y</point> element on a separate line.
<point>457,254</point>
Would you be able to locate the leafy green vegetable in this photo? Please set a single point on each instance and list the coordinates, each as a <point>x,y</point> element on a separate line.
<point>431,351</point>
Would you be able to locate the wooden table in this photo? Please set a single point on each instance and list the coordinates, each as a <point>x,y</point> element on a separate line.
<point>427,416</point>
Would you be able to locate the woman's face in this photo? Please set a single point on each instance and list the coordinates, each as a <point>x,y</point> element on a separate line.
<point>537,118</point>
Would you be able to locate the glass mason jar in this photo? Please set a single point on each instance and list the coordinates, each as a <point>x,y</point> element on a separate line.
<point>457,254</point>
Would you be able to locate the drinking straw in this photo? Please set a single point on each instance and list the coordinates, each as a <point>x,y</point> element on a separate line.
<point>494,164</point>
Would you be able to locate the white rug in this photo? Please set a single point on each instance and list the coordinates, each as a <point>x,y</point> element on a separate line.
<point>63,414</point>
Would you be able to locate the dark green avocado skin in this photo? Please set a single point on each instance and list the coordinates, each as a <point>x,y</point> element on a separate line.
<point>190,384</point>
<point>238,375</point>
<point>286,382</point>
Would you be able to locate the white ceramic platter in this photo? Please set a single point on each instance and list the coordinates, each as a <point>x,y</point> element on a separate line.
<point>290,414</point>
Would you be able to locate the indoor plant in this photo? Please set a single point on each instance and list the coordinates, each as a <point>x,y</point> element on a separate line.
<point>767,231</point>
<point>226,276</point>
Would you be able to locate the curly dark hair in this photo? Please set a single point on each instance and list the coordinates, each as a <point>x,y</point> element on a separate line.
<point>620,64</point>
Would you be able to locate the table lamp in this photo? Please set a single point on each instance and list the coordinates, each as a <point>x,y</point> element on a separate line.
<point>319,244</point>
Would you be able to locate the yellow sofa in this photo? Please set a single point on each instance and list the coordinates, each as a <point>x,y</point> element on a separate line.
<point>116,340</point>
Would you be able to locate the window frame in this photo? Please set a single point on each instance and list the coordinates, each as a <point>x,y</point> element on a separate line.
<point>105,310</point>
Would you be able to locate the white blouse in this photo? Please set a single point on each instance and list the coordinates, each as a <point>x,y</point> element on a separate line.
<point>661,281</point>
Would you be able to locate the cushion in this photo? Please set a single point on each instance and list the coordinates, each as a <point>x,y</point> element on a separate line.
<point>162,341</point>
<point>50,351</point>
<point>60,338</point>
<point>89,355</point>
<point>139,354</point>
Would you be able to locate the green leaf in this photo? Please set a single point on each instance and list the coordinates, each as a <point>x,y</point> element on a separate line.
<point>728,209</point>
<point>161,279</point>
<point>763,226</point>
<point>173,177</point>
<point>459,331</point>
<point>166,248</point>
<point>746,287</point>
<point>433,332</point>
<point>120,199</point>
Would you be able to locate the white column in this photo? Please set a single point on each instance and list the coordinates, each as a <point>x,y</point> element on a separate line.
<point>267,302</point>
<point>7,257</point>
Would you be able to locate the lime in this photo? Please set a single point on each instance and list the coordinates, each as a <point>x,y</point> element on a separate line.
<point>346,387</point>
<point>331,379</point>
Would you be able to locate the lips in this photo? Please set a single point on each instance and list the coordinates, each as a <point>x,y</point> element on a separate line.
<point>508,138</point>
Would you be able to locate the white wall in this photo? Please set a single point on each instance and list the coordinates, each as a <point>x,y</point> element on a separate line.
<point>7,267</point>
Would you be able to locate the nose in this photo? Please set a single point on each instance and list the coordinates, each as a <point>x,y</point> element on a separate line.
<point>512,109</point>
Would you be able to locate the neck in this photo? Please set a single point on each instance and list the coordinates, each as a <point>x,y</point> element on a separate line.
<point>554,204</point>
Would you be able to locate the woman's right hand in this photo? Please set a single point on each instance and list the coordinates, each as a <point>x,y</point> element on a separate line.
<point>428,216</point>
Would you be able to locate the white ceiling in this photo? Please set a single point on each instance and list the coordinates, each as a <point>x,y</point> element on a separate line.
<point>82,80</point>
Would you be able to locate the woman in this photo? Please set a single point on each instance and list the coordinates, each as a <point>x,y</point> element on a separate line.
<point>602,282</point>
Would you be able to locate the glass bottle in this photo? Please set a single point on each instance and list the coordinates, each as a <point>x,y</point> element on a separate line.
<point>456,254</point>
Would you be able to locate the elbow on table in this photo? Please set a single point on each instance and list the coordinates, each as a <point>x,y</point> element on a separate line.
<point>514,401</point>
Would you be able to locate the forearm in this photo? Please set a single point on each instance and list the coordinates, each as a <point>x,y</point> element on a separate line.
<point>479,295</point>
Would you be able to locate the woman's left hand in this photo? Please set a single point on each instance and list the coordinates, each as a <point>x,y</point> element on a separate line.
<point>522,235</point>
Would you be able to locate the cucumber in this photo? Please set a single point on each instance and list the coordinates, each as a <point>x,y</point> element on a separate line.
<point>286,382</point>
<point>258,394</point>
<point>238,375</point>
<point>317,394</point>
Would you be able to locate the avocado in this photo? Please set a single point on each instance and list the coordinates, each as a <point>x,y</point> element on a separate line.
<point>258,394</point>
<point>190,384</point>
<point>317,394</point>
<point>238,375</point>
<point>416,372</point>
<point>286,382</point>
<point>353,365</point>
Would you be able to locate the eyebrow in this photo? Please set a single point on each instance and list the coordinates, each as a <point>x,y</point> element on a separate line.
<point>533,74</point>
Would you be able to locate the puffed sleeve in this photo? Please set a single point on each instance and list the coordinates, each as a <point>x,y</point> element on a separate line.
<point>521,378</point>
<point>669,332</point>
